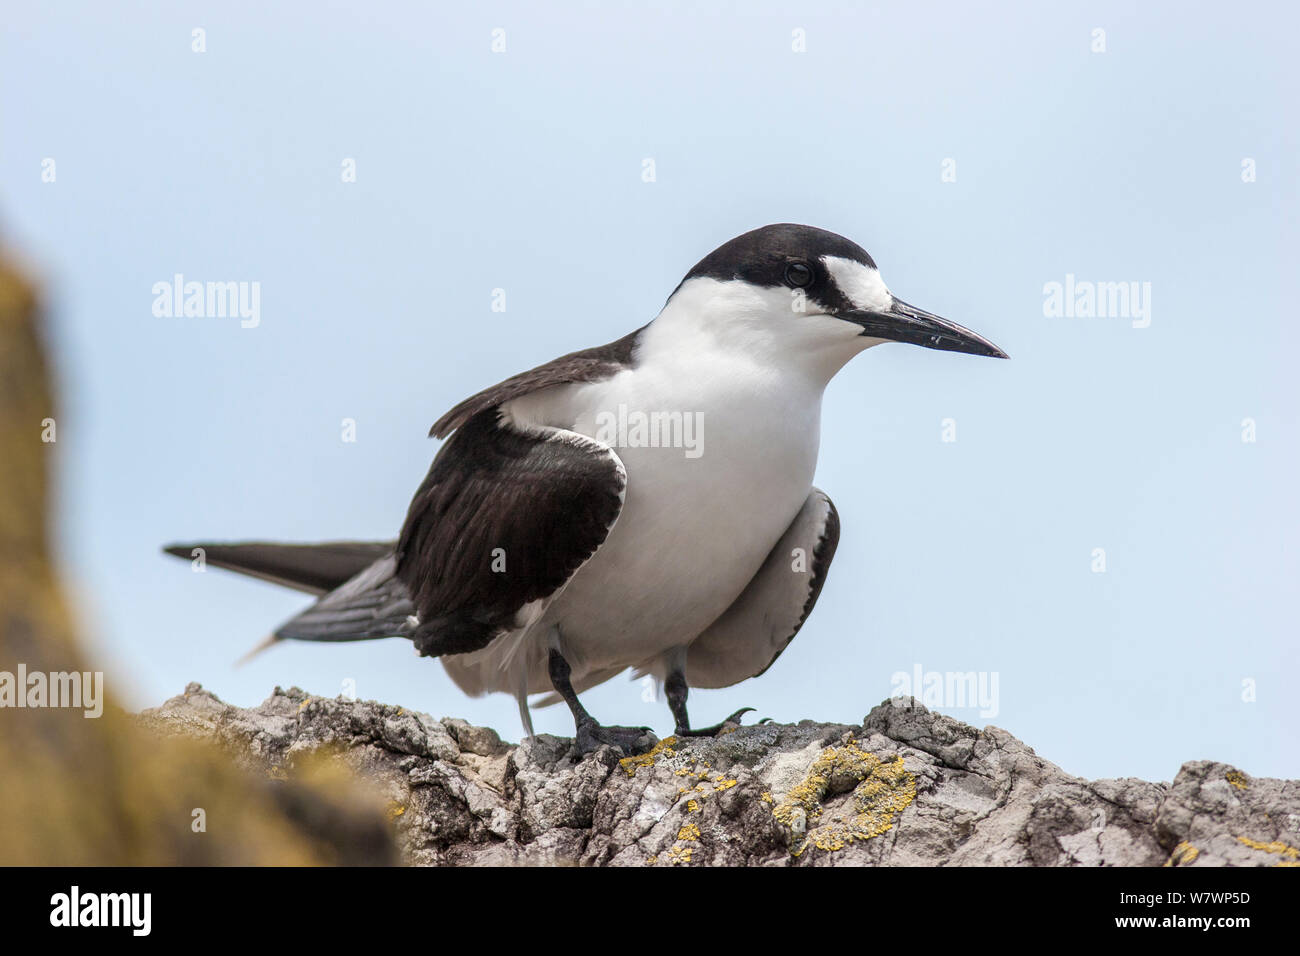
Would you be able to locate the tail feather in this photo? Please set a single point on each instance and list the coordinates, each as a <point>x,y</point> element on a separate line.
<point>314,568</point>
<point>265,644</point>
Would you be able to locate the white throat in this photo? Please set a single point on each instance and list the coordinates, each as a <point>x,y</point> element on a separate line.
<point>782,334</point>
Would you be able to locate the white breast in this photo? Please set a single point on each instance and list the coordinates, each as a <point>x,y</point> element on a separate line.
<point>695,527</point>
<point>693,530</point>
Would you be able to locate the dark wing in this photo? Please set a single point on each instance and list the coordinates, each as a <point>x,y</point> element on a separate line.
<point>370,605</point>
<point>489,487</point>
<point>504,518</point>
<point>751,634</point>
<point>314,568</point>
<point>588,365</point>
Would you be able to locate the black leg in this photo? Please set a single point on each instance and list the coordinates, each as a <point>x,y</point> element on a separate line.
<point>676,688</point>
<point>589,734</point>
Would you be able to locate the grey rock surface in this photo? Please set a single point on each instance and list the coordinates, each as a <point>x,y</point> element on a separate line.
<point>906,787</point>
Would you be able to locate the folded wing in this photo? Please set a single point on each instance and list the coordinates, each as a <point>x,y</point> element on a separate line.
<point>504,519</point>
<point>745,640</point>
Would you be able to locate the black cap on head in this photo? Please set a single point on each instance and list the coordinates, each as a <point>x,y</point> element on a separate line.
<point>777,255</point>
<point>791,255</point>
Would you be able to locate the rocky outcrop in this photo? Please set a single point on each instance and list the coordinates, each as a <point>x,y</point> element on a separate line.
<point>906,787</point>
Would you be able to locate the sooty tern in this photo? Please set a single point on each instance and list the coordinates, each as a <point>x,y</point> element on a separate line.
<point>576,523</point>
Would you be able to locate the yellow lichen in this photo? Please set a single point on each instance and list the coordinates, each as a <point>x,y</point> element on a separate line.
<point>647,759</point>
<point>724,785</point>
<point>395,812</point>
<point>766,797</point>
<point>1183,855</point>
<point>884,789</point>
<point>303,705</point>
<point>680,855</point>
<point>692,806</point>
<point>651,860</point>
<point>1237,779</point>
<point>689,832</point>
<point>1277,846</point>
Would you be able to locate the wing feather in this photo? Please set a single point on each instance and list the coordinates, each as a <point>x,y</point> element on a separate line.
<point>751,634</point>
<point>587,365</point>
<point>504,518</point>
<point>370,605</point>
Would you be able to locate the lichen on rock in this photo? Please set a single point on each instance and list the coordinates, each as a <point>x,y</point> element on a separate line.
<point>905,787</point>
<point>880,791</point>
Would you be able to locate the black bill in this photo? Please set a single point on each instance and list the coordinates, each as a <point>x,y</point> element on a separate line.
<point>906,323</point>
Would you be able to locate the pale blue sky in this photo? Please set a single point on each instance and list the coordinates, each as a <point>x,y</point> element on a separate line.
<point>522,170</point>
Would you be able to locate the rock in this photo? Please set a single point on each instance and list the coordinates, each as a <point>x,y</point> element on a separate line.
<point>907,787</point>
<point>100,792</point>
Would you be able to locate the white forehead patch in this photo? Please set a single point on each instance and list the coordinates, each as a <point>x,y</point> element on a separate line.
<point>860,283</point>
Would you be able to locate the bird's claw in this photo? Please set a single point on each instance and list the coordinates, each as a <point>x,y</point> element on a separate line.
<point>717,730</point>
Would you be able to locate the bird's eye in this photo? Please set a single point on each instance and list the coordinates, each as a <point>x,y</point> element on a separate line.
<point>798,275</point>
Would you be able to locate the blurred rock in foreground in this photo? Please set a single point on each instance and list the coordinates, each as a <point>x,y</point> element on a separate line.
<point>908,787</point>
<point>99,791</point>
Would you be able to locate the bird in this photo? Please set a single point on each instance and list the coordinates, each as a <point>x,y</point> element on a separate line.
<point>646,504</point>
